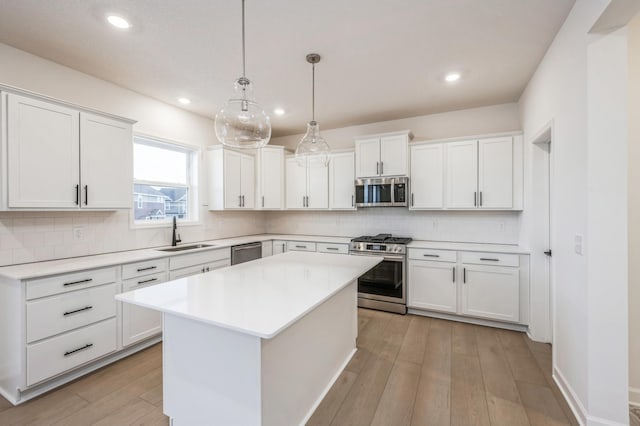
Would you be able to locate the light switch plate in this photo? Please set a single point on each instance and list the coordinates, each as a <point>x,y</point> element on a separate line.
<point>578,245</point>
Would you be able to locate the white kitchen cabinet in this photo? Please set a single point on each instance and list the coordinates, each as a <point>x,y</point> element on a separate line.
<point>270,182</point>
<point>491,292</point>
<point>301,246</point>
<point>279,246</point>
<point>306,187</point>
<point>382,155</point>
<point>267,249</point>
<point>427,177</point>
<point>484,174</point>
<point>231,179</point>
<point>341,181</point>
<point>140,323</point>
<point>433,286</point>
<point>197,263</point>
<point>62,158</point>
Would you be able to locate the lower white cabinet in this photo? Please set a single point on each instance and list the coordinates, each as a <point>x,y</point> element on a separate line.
<point>279,246</point>
<point>433,286</point>
<point>492,286</point>
<point>301,246</point>
<point>197,263</point>
<point>140,323</point>
<point>267,248</point>
<point>491,292</point>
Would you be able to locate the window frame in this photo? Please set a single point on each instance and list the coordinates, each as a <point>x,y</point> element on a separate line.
<point>193,181</point>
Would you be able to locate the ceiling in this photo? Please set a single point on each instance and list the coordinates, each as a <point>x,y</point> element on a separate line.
<point>381,60</point>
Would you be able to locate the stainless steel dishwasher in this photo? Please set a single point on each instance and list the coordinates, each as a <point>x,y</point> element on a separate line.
<point>246,252</point>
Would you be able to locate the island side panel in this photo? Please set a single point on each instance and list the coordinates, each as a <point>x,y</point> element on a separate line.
<point>211,375</point>
<point>300,365</point>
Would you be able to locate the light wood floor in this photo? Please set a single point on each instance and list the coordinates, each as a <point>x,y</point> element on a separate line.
<point>409,370</point>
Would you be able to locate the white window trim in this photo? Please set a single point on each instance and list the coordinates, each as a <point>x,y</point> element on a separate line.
<point>194,186</point>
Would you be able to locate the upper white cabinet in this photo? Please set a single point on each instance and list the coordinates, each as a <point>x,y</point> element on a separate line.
<point>61,158</point>
<point>427,177</point>
<point>382,155</point>
<point>306,187</point>
<point>231,179</point>
<point>495,173</point>
<point>462,175</point>
<point>270,182</point>
<point>341,181</point>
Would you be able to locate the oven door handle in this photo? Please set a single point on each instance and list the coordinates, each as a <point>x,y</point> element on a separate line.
<point>385,256</point>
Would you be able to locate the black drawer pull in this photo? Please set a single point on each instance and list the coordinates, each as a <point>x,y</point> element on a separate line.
<point>333,248</point>
<point>146,269</point>
<point>88,280</point>
<point>87,346</point>
<point>150,280</point>
<point>490,259</point>
<point>86,308</point>
<point>301,246</point>
<point>431,255</point>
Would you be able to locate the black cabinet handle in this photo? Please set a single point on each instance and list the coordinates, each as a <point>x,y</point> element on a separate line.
<point>382,167</point>
<point>87,346</point>
<point>77,195</point>
<point>146,269</point>
<point>480,198</point>
<point>464,275</point>
<point>150,280</point>
<point>454,274</point>
<point>86,195</point>
<point>431,255</point>
<point>86,308</point>
<point>489,259</point>
<point>352,201</point>
<point>377,167</point>
<point>548,253</point>
<point>333,248</point>
<point>475,199</point>
<point>78,282</point>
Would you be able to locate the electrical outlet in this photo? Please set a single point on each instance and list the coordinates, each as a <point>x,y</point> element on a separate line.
<point>578,245</point>
<point>78,233</point>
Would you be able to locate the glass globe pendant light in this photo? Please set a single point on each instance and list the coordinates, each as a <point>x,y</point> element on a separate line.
<point>242,123</point>
<point>313,150</point>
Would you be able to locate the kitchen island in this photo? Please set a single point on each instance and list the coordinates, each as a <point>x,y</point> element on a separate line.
<point>258,343</point>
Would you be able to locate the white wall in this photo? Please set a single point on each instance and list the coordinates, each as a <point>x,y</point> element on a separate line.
<point>35,236</point>
<point>582,164</point>
<point>634,210</point>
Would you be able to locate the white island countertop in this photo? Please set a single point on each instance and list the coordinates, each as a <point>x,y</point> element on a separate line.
<point>259,298</point>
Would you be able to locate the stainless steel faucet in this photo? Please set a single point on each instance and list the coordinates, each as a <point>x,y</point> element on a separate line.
<point>175,239</point>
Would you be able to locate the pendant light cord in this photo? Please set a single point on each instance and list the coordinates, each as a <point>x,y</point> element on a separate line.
<point>313,91</point>
<point>244,75</point>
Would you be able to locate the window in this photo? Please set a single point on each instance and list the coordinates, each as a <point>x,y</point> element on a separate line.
<point>164,181</point>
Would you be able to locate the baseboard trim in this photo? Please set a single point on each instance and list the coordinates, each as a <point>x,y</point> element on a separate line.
<point>569,395</point>
<point>596,421</point>
<point>469,320</point>
<point>634,397</point>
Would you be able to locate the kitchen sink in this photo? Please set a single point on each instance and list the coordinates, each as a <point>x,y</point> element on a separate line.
<point>183,248</point>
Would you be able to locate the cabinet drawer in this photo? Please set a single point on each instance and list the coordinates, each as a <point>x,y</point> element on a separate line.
<point>333,248</point>
<point>300,246</point>
<point>198,269</point>
<point>143,268</point>
<point>135,283</point>
<point>61,353</point>
<point>498,259</point>
<point>64,283</point>
<point>57,314</point>
<point>183,261</point>
<point>433,255</point>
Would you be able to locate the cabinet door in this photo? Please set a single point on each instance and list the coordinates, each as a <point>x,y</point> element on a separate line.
<point>341,181</point>
<point>495,173</point>
<point>367,157</point>
<point>427,177</point>
<point>491,292</point>
<point>318,187</point>
<point>432,285</point>
<point>393,155</point>
<point>279,247</point>
<point>106,162</point>
<point>248,181</point>
<point>43,154</point>
<point>462,175</point>
<point>232,178</point>
<point>140,323</point>
<point>296,184</point>
<point>272,179</point>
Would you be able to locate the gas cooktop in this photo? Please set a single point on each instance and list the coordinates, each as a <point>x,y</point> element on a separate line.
<point>382,238</point>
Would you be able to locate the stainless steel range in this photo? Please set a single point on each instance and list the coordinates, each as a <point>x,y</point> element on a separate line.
<point>383,287</point>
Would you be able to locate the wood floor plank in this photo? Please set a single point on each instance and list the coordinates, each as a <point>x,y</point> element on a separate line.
<point>414,343</point>
<point>521,360</point>
<point>397,401</point>
<point>154,418</point>
<point>130,413</point>
<point>468,398</point>
<point>326,411</point>
<point>45,409</point>
<point>393,337</point>
<point>433,398</point>
<point>541,405</point>
<point>464,339</point>
<point>4,404</point>
<point>153,395</point>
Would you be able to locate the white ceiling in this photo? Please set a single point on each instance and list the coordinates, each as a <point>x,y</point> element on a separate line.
<point>381,60</point>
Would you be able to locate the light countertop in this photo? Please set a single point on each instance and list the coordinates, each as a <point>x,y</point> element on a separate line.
<point>260,298</point>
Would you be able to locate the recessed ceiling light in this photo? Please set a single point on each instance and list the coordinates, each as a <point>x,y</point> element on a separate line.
<point>184,101</point>
<point>118,22</point>
<point>278,111</point>
<point>452,76</point>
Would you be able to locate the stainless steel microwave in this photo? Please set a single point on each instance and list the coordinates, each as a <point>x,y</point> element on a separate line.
<point>382,192</point>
